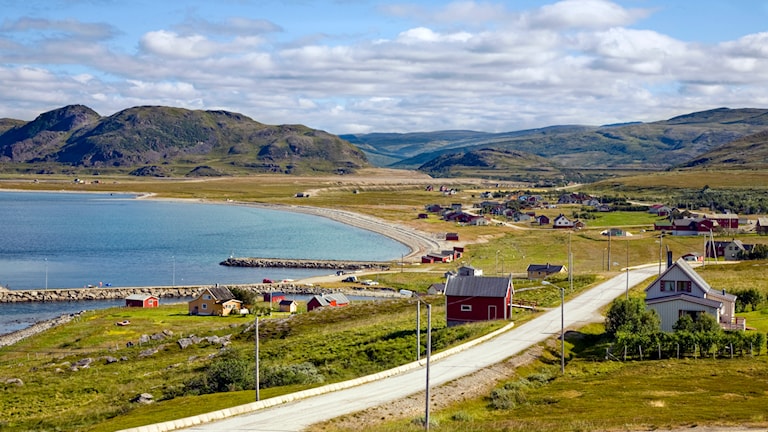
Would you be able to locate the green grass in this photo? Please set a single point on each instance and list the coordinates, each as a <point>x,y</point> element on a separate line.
<point>342,343</point>
<point>596,394</point>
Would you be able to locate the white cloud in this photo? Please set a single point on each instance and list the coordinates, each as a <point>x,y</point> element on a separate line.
<point>169,44</point>
<point>583,14</point>
<point>464,65</point>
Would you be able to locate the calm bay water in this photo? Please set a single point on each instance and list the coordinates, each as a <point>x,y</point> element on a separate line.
<point>66,240</point>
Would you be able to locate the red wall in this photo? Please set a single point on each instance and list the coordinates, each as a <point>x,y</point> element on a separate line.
<point>479,308</point>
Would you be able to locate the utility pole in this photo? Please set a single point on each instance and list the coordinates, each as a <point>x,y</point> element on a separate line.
<point>256,336</point>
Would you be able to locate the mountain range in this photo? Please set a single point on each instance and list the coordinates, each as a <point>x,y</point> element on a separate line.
<point>166,141</point>
<point>696,140</point>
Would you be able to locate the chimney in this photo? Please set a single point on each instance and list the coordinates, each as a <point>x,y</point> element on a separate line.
<point>669,257</point>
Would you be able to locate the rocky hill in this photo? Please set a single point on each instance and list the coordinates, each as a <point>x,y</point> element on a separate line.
<point>749,152</point>
<point>164,141</point>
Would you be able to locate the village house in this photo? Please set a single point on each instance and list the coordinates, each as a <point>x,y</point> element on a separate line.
<point>727,221</point>
<point>686,226</point>
<point>542,271</point>
<point>761,227</point>
<point>215,301</point>
<point>289,306</point>
<point>660,210</point>
<point>681,291</point>
<point>562,222</point>
<point>693,257</point>
<point>142,301</point>
<point>728,250</point>
<point>477,298</point>
<point>274,296</point>
<point>327,300</point>
<point>542,220</point>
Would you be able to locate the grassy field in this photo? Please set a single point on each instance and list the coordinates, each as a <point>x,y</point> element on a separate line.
<point>595,394</point>
<point>56,394</point>
<point>367,339</point>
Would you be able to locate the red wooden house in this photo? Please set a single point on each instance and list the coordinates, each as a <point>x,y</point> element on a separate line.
<point>274,296</point>
<point>142,301</point>
<point>477,298</point>
<point>327,300</point>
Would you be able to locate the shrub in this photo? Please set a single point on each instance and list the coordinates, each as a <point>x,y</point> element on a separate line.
<point>461,416</point>
<point>503,398</point>
<point>282,375</point>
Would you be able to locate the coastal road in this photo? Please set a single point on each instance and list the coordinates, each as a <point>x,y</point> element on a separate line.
<point>297,415</point>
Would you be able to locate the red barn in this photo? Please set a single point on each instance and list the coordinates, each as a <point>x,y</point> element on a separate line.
<point>142,301</point>
<point>477,298</point>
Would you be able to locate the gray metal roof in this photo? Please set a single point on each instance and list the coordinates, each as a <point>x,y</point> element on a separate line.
<point>478,286</point>
<point>687,298</point>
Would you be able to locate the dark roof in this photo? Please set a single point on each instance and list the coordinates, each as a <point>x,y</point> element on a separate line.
<point>477,286</point>
<point>221,294</point>
<point>549,268</point>
<point>286,302</point>
<point>326,299</point>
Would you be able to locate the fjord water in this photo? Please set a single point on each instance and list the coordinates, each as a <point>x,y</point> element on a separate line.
<point>69,240</point>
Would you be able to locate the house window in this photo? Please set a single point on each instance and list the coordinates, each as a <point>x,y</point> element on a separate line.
<point>466,308</point>
<point>683,286</point>
<point>668,286</point>
<point>205,306</point>
<point>207,297</point>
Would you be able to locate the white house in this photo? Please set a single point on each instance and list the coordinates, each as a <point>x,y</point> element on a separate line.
<point>681,291</point>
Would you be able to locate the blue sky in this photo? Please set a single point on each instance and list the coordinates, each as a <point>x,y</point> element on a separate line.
<point>349,66</point>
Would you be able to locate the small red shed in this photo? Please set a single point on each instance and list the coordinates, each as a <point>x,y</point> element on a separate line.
<point>142,301</point>
<point>477,298</point>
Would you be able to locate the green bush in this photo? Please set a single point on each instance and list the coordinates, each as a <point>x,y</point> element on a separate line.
<point>503,398</point>
<point>282,375</point>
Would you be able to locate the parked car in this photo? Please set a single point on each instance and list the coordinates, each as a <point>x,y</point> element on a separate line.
<point>265,280</point>
<point>369,282</point>
<point>350,279</point>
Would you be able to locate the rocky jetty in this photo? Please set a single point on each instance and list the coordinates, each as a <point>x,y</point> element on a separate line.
<point>305,264</point>
<point>51,295</point>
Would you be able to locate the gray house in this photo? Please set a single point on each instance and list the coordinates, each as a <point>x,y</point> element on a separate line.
<point>681,291</point>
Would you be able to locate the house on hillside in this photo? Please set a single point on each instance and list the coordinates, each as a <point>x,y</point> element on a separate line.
<point>466,270</point>
<point>561,221</point>
<point>733,251</point>
<point>288,306</point>
<point>681,291</point>
<point>686,226</point>
<point>327,300</point>
<point>762,226</point>
<point>142,301</point>
<point>541,271</point>
<point>477,298</point>
<point>215,301</point>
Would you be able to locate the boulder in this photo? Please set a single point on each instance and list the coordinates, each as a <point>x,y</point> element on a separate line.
<point>15,381</point>
<point>144,398</point>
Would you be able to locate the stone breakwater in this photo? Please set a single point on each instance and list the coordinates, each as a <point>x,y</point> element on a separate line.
<point>305,264</point>
<point>77,294</point>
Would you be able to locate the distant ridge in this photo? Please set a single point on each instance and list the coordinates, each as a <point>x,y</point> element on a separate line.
<point>568,150</point>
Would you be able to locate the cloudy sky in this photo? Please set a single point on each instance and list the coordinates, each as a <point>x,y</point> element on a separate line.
<point>357,66</point>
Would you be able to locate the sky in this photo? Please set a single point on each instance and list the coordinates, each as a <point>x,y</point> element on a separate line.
<point>359,66</point>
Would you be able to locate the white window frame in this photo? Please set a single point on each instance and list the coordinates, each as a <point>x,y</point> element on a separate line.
<point>466,308</point>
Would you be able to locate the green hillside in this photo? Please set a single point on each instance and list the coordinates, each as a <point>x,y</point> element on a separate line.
<point>166,141</point>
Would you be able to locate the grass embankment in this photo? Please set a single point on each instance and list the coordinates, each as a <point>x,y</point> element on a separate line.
<point>600,394</point>
<point>340,343</point>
